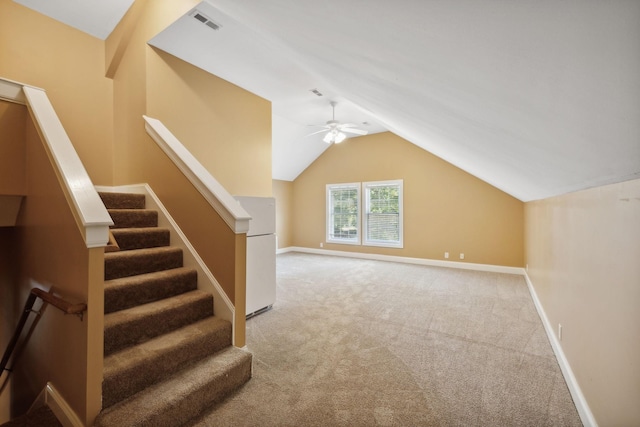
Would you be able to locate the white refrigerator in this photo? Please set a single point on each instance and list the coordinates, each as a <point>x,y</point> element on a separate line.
<point>261,253</point>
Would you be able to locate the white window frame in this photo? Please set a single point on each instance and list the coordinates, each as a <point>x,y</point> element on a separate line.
<point>329,214</point>
<point>366,187</point>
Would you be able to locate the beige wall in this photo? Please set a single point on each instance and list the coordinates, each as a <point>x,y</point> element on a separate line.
<point>69,65</point>
<point>225,127</point>
<point>445,209</point>
<point>283,193</point>
<point>47,241</point>
<point>583,256</point>
<point>13,183</point>
<point>13,118</point>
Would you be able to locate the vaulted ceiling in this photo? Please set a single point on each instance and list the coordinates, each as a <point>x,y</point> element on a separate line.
<point>536,97</point>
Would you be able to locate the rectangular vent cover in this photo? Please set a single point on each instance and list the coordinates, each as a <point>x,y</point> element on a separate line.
<point>212,25</point>
<point>205,20</point>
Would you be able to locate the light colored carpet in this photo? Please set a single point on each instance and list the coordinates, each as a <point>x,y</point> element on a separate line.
<point>355,342</point>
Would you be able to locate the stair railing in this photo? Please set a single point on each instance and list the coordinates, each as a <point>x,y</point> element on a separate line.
<point>213,192</point>
<point>63,305</point>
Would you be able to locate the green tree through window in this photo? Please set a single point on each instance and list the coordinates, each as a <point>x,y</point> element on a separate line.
<point>383,221</point>
<point>344,213</point>
<point>380,218</point>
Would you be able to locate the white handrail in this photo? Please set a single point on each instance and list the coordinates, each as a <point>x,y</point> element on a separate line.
<point>12,91</point>
<point>90,209</point>
<point>218,197</point>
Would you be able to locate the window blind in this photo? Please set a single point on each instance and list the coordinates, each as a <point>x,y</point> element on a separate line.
<point>383,209</point>
<point>344,213</point>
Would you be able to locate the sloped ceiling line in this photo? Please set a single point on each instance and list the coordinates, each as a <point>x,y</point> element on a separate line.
<point>536,98</point>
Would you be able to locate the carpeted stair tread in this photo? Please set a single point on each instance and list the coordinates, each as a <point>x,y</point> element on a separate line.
<point>184,395</point>
<point>141,237</point>
<point>167,358</point>
<point>39,417</point>
<point>130,370</point>
<point>122,200</point>
<point>127,292</point>
<point>141,261</point>
<point>137,218</point>
<point>137,324</point>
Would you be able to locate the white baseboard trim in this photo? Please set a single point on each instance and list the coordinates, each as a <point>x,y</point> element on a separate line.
<point>586,416</point>
<point>408,260</point>
<point>53,399</point>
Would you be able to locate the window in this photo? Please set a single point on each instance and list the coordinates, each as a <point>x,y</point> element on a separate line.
<point>383,213</point>
<point>343,213</point>
<point>381,217</point>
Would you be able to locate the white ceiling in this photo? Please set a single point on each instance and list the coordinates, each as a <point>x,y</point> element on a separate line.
<point>95,17</point>
<point>536,97</point>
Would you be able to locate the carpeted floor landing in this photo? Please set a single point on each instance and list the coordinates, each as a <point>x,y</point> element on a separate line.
<point>354,342</point>
<point>39,417</point>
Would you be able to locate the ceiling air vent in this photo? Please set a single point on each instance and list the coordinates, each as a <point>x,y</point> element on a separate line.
<point>205,20</point>
<point>316,91</point>
<point>212,25</point>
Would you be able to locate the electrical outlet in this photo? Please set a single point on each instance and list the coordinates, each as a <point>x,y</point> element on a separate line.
<point>559,332</point>
<point>321,245</point>
<point>461,256</point>
<point>446,255</point>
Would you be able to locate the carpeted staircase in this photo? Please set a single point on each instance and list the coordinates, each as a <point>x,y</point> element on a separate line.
<point>167,357</point>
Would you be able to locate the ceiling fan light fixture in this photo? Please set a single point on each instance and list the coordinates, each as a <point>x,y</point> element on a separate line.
<point>336,130</point>
<point>334,136</point>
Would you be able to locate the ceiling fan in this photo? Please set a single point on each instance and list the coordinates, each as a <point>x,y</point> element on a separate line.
<point>336,130</point>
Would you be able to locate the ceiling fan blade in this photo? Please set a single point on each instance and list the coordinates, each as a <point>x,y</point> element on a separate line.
<point>354,130</point>
<point>317,132</point>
